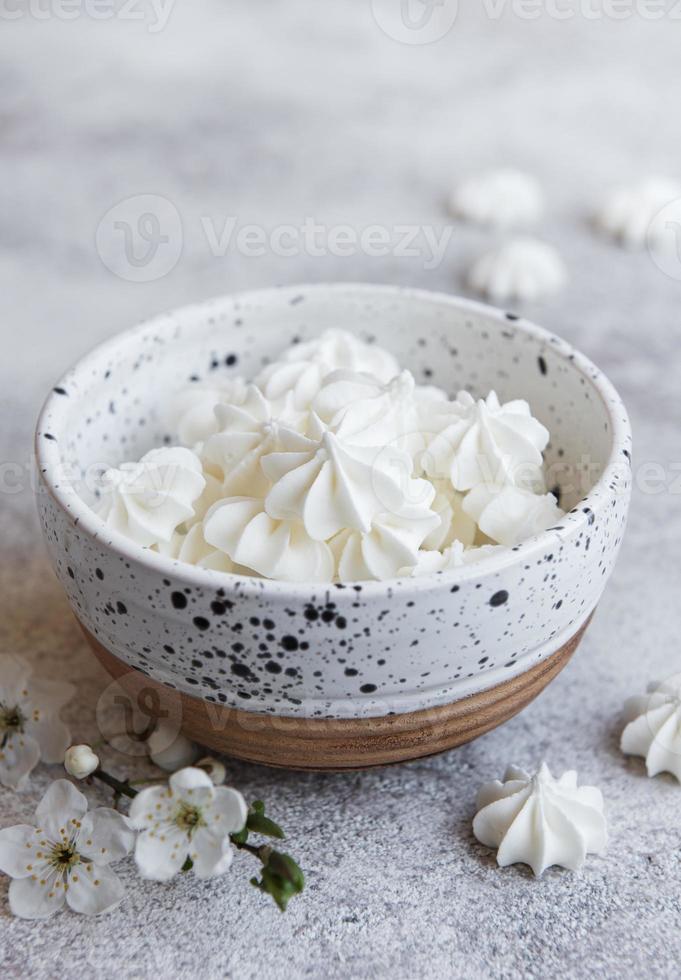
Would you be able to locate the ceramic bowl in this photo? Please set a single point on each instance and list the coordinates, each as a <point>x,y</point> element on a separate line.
<point>371,650</point>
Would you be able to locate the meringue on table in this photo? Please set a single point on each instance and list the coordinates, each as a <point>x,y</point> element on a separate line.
<point>524,269</point>
<point>628,214</point>
<point>541,821</point>
<point>653,728</point>
<point>498,198</point>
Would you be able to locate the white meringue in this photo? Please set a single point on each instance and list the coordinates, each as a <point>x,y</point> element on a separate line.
<point>628,213</point>
<point>342,467</point>
<point>455,524</point>
<point>510,514</point>
<point>246,433</point>
<point>297,381</point>
<point>541,821</point>
<point>193,548</point>
<point>484,441</point>
<point>304,366</point>
<point>363,410</point>
<point>149,500</point>
<point>335,485</point>
<point>391,544</point>
<point>342,350</point>
<point>524,269</point>
<point>654,727</point>
<point>455,556</point>
<point>500,198</point>
<point>279,549</point>
<point>192,414</point>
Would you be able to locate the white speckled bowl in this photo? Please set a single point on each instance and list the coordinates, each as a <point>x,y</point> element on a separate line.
<point>373,649</point>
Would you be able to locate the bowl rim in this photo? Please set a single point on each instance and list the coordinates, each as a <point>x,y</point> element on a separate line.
<point>48,451</point>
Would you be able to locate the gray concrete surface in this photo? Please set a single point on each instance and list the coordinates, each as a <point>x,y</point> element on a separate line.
<point>272,114</point>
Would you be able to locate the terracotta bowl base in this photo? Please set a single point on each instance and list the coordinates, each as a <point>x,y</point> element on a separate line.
<point>340,744</point>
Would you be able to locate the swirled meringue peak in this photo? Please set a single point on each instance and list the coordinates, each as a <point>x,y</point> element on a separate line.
<point>510,514</point>
<point>363,410</point>
<point>541,821</point>
<point>149,500</point>
<point>301,370</point>
<point>335,466</point>
<point>653,728</point>
<point>192,413</point>
<point>280,549</point>
<point>479,441</point>
<point>336,485</point>
<point>381,553</point>
<point>246,433</point>
<point>342,350</point>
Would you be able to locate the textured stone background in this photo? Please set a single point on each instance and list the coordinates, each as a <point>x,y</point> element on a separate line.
<point>272,113</point>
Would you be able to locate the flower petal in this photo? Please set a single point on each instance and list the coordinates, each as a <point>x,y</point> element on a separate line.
<point>93,890</point>
<point>105,836</point>
<point>16,850</point>
<point>227,812</point>
<point>212,855</point>
<point>14,675</point>
<point>160,855</point>
<point>48,696</point>
<point>62,807</point>
<point>18,758</point>
<point>35,897</point>
<point>190,780</point>
<point>53,738</point>
<point>150,806</point>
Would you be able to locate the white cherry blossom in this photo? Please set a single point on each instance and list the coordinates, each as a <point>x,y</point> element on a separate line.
<point>30,728</point>
<point>80,761</point>
<point>65,857</point>
<point>187,818</point>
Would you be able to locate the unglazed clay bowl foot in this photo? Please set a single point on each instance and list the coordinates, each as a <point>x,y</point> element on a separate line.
<point>337,676</point>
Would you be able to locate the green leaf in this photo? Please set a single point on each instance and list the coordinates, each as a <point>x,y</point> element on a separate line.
<point>257,806</point>
<point>281,878</point>
<point>258,823</point>
<point>241,836</point>
<point>188,864</point>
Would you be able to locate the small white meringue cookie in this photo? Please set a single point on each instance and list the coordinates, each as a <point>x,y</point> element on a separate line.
<point>541,821</point>
<point>498,198</point>
<point>511,514</point>
<point>524,269</point>
<point>628,213</point>
<point>653,727</point>
<point>149,500</point>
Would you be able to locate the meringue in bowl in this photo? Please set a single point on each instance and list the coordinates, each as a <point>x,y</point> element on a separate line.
<point>328,649</point>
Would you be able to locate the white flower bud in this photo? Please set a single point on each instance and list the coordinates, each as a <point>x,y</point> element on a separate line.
<point>169,749</point>
<point>80,761</point>
<point>214,768</point>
